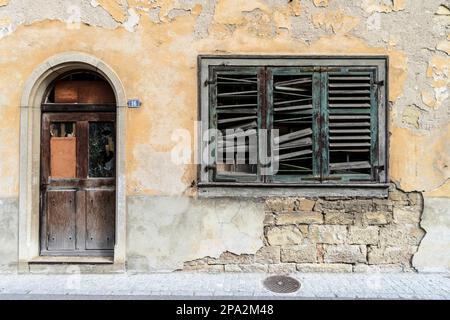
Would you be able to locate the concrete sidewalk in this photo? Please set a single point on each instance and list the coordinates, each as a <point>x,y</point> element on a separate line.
<point>182,285</point>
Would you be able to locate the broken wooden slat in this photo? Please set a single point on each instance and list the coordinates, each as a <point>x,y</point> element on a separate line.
<point>239,134</point>
<point>237,105</point>
<point>244,126</point>
<point>236,119</point>
<point>237,111</point>
<point>250,80</point>
<point>290,101</point>
<point>293,154</point>
<point>291,119</point>
<point>301,107</point>
<point>250,93</point>
<point>293,94</point>
<point>295,81</point>
<point>293,135</point>
<point>236,148</point>
<point>284,88</point>
<point>295,144</point>
<point>350,165</point>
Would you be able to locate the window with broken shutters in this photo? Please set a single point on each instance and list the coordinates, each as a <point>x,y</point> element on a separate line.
<point>296,124</point>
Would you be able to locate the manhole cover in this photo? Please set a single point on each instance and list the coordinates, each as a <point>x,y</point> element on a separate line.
<point>281,284</point>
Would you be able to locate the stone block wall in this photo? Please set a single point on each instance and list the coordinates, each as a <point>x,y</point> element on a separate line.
<point>337,234</point>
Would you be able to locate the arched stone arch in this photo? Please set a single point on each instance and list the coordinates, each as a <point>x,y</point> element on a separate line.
<point>30,123</point>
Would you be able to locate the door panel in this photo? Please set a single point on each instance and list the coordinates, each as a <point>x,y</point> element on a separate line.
<point>78,183</point>
<point>100,206</point>
<point>61,213</point>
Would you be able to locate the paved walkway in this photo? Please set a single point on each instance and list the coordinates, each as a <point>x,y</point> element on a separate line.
<point>181,285</point>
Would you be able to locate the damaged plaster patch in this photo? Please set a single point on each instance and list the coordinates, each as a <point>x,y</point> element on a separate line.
<point>320,3</point>
<point>132,20</point>
<point>444,46</point>
<point>27,12</point>
<point>153,14</point>
<point>384,6</point>
<point>114,7</point>
<point>337,21</point>
<point>411,115</point>
<point>438,71</point>
<point>167,231</point>
<point>4,3</point>
<point>443,10</point>
<point>174,13</point>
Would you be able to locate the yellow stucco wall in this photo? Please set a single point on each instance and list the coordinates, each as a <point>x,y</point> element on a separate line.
<point>156,59</point>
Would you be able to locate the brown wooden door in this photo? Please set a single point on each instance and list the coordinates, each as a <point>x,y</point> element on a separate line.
<point>78,184</point>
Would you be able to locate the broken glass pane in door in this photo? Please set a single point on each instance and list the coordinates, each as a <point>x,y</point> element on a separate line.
<point>101,149</point>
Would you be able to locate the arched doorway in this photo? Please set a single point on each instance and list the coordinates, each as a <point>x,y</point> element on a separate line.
<point>77,171</point>
<point>36,101</point>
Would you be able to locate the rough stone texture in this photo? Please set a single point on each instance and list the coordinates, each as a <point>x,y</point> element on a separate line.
<point>339,217</point>
<point>403,216</point>
<point>231,258</point>
<point>345,254</point>
<point>399,235</point>
<point>330,234</point>
<point>321,267</point>
<point>255,267</point>
<point>377,217</point>
<point>299,253</point>
<point>361,235</point>
<point>356,235</point>
<point>282,268</point>
<point>285,235</point>
<point>434,250</point>
<point>8,234</point>
<point>269,255</point>
<point>299,218</point>
<point>388,255</point>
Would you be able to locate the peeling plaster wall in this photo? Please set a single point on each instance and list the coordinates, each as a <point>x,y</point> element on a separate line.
<point>163,232</point>
<point>153,46</point>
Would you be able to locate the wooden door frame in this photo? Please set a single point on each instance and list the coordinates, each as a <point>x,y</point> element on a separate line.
<point>30,144</point>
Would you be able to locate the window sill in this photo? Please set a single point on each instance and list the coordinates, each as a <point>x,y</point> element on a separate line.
<point>260,190</point>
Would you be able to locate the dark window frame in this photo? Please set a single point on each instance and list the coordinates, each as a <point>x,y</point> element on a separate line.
<point>317,65</point>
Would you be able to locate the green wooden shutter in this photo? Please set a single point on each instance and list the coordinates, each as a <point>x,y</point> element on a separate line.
<point>235,105</point>
<point>293,107</point>
<point>350,110</point>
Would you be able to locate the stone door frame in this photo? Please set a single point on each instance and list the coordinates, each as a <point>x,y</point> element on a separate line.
<point>30,144</point>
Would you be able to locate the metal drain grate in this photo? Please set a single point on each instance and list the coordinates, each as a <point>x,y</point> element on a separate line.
<point>281,284</point>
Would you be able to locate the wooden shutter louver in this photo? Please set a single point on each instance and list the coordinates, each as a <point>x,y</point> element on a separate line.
<point>236,108</point>
<point>292,116</point>
<point>351,135</point>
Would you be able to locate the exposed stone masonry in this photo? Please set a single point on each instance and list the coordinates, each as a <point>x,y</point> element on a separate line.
<point>331,234</point>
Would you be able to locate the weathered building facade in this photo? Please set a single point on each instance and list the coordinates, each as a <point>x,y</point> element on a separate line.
<point>152,211</point>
